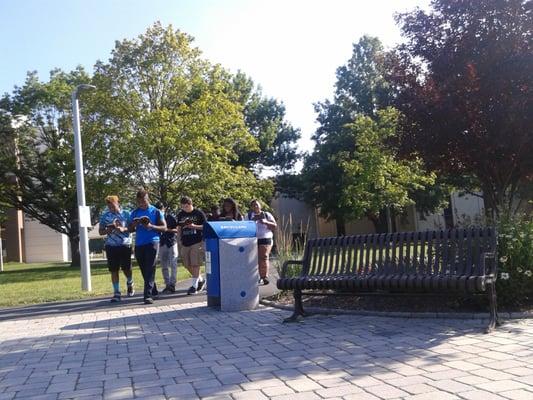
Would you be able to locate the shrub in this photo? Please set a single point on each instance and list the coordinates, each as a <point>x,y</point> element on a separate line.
<point>515,261</point>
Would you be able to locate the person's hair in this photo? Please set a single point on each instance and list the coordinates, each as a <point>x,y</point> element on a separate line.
<point>255,201</point>
<point>111,199</point>
<point>234,207</point>
<point>141,194</point>
<point>186,200</point>
<point>160,205</point>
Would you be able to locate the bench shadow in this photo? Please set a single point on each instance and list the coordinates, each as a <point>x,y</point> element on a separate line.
<point>215,353</point>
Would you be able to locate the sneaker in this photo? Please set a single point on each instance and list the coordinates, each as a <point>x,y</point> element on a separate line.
<point>264,281</point>
<point>155,293</point>
<point>131,290</point>
<point>201,285</point>
<point>192,290</point>
<point>169,289</point>
<point>148,300</point>
<point>116,298</point>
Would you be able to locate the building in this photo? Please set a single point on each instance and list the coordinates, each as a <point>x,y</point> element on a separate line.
<point>297,218</point>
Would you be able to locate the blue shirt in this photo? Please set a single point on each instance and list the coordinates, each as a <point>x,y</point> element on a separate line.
<point>116,238</point>
<point>147,236</point>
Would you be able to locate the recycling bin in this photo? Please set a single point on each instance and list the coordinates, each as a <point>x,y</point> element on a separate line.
<point>231,265</point>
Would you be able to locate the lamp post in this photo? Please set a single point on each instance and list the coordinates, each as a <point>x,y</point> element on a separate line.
<point>80,189</point>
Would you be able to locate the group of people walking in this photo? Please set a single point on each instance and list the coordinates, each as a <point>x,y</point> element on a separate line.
<point>161,235</point>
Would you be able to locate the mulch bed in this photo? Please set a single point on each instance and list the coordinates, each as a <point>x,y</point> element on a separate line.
<point>421,304</point>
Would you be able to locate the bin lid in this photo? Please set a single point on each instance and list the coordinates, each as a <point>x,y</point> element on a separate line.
<point>229,229</point>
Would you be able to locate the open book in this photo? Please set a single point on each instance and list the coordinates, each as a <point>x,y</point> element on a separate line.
<point>143,220</point>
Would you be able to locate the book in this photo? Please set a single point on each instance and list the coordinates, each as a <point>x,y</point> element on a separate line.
<point>259,216</point>
<point>143,220</point>
<point>185,222</point>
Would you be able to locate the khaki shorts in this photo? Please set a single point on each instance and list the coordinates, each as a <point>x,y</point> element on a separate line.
<point>192,256</point>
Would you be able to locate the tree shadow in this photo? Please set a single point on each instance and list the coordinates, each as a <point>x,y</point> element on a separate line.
<point>197,351</point>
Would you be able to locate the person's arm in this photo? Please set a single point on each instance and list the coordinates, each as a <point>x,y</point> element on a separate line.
<point>200,226</point>
<point>132,223</point>
<point>271,224</point>
<point>102,227</point>
<point>161,224</point>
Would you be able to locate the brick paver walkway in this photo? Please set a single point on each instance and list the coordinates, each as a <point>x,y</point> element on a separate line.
<point>189,352</point>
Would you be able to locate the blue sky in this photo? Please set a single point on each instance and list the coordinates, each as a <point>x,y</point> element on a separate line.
<point>289,47</point>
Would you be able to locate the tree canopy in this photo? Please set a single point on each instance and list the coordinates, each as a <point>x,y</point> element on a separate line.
<point>465,80</point>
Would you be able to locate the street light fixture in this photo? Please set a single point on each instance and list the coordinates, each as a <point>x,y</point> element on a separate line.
<point>83,211</point>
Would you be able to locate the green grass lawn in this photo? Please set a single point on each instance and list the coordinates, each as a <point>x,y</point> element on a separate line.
<point>22,284</point>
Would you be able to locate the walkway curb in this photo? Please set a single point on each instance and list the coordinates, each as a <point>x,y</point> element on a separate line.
<point>401,314</point>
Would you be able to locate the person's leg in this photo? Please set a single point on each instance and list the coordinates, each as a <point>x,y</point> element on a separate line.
<point>113,264</point>
<point>150,257</point>
<point>141,260</point>
<point>196,258</point>
<point>126,268</point>
<point>263,255</point>
<point>173,262</point>
<point>164,253</point>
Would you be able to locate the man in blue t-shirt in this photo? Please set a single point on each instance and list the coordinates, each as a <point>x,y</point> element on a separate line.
<point>113,223</point>
<point>149,223</point>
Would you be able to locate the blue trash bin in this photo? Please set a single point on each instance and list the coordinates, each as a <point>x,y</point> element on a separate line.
<point>231,265</point>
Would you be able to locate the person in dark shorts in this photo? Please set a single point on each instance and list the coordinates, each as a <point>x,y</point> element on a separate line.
<point>117,245</point>
<point>191,224</point>
<point>266,224</point>
<point>148,223</point>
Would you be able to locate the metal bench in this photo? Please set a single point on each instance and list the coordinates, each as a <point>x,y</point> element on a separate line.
<point>454,262</point>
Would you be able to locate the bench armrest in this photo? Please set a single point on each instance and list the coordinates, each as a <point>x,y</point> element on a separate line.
<point>491,267</point>
<point>286,264</point>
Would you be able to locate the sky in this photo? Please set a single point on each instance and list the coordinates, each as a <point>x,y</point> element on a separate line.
<point>291,48</point>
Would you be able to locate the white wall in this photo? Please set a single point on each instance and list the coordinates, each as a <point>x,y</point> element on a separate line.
<point>42,244</point>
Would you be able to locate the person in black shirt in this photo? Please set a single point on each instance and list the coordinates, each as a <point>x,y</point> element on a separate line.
<point>230,211</point>
<point>168,250</point>
<point>190,227</point>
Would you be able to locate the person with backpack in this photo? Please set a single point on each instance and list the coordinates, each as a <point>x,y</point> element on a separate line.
<point>148,223</point>
<point>266,224</point>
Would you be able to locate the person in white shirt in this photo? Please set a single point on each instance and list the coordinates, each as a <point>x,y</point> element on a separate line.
<point>266,224</point>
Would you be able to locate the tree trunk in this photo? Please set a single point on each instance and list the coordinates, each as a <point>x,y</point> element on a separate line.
<point>341,226</point>
<point>75,250</point>
<point>379,221</point>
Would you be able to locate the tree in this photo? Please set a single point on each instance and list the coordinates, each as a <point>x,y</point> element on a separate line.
<point>465,85</point>
<point>338,165</point>
<point>265,120</point>
<point>37,169</point>
<point>170,122</point>
<point>356,173</point>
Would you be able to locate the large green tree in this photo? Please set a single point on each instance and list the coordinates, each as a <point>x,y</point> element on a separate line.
<point>171,123</point>
<point>465,86</point>
<point>36,157</point>
<point>354,170</point>
<point>357,173</point>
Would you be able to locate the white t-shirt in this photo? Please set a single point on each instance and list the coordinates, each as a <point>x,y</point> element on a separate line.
<point>263,231</point>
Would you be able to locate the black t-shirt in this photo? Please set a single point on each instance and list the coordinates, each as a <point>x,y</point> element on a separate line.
<point>169,238</point>
<point>190,236</point>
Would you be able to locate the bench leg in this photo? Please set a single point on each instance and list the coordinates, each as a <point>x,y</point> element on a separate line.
<point>494,320</point>
<point>299,312</point>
